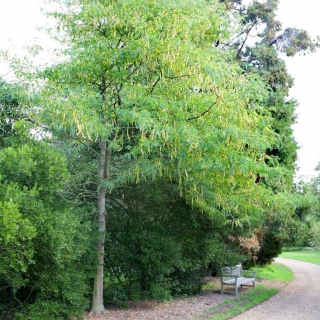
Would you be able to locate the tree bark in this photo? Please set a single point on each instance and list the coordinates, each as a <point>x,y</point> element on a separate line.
<point>103,175</point>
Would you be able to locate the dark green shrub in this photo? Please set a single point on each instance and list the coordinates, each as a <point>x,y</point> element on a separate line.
<point>157,245</point>
<point>48,310</point>
<point>51,260</point>
<point>139,257</point>
<point>271,247</point>
<point>187,282</point>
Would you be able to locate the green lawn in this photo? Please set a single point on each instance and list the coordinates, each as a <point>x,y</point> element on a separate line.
<point>308,256</point>
<point>276,271</point>
<point>230,308</point>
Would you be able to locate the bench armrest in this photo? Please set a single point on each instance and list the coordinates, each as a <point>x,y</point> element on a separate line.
<point>251,271</point>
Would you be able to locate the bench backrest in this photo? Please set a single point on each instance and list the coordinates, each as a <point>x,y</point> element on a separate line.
<point>232,271</point>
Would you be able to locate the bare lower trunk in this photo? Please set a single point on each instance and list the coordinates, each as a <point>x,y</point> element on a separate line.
<point>103,175</point>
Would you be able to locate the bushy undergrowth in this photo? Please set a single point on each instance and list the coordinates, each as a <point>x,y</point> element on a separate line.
<point>271,247</point>
<point>159,246</point>
<point>46,262</point>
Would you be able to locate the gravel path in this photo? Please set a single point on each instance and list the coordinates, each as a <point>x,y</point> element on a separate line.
<point>300,299</point>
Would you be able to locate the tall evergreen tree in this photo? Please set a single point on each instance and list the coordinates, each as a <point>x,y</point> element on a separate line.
<point>263,56</point>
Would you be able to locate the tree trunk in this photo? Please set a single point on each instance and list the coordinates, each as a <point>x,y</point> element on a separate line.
<point>103,175</point>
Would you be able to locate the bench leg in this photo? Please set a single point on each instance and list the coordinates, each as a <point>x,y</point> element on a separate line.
<point>221,279</point>
<point>236,287</point>
<point>254,284</point>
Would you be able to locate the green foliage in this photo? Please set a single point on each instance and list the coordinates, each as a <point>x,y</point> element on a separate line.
<point>44,310</point>
<point>271,247</point>
<point>315,231</point>
<point>17,232</point>
<point>302,227</point>
<point>178,107</point>
<point>157,246</point>
<point>10,111</point>
<point>262,58</point>
<point>43,239</point>
<point>293,41</point>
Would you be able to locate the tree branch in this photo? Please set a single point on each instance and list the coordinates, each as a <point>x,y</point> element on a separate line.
<point>202,114</point>
<point>154,85</point>
<point>245,40</point>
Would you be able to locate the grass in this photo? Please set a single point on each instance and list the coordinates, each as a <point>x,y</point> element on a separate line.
<point>230,308</point>
<point>308,256</point>
<point>276,271</point>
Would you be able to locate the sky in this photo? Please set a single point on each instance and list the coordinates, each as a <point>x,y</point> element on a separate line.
<point>19,19</point>
<point>306,90</point>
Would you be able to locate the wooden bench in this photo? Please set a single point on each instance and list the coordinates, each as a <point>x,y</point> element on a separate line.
<point>234,276</point>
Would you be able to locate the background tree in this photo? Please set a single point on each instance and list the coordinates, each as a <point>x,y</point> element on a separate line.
<point>263,56</point>
<point>305,220</point>
<point>10,111</point>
